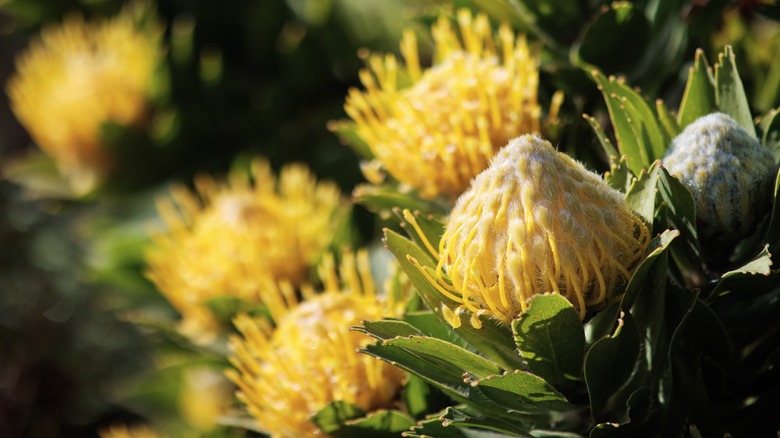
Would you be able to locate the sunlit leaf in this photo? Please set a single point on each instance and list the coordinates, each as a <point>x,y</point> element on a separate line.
<point>699,96</point>
<point>550,338</point>
<point>730,94</point>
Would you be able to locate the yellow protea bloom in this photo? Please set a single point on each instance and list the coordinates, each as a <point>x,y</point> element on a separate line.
<point>536,221</point>
<point>234,238</point>
<point>75,77</point>
<point>123,431</point>
<point>440,130</point>
<point>287,374</point>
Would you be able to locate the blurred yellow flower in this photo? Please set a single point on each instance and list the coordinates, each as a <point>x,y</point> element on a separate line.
<point>204,397</point>
<point>235,238</point>
<point>123,431</point>
<point>75,77</point>
<point>436,129</point>
<point>536,221</point>
<point>287,374</point>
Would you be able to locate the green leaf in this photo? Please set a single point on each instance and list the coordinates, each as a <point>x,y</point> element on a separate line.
<point>677,208</point>
<point>680,388</point>
<point>430,324</point>
<point>346,131</point>
<point>550,338</point>
<point>658,245</point>
<point>378,424</point>
<point>645,300</point>
<point>434,427</point>
<point>760,265</point>
<point>699,96</point>
<point>439,362</point>
<point>246,422</point>
<point>386,197</point>
<point>706,333</point>
<point>225,308</point>
<point>425,229</point>
<point>642,193</point>
<point>643,117</point>
<point>609,364</point>
<point>387,329</point>
<point>609,149</point>
<point>602,324</point>
<point>730,94</point>
<point>655,196</point>
<point>446,355</point>
<point>669,126</point>
<point>638,132</point>
<point>453,416</point>
<point>619,176</point>
<point>492,340</point>
<point>410,257</point>
<point>615,40</point>
<point>773,231</point>
<point>637,410</point>
<point>446,378</point>
<point>419,397</point>
<point>333,416</point>
<point>770,126</point>
<point>523,392</point>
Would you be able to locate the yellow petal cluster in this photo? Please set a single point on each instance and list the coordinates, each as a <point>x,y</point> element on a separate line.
<point>287,374</point>
<point>536,221</point>
<point>436,129</point>
<point>233,238</point>
<point>77,76</point>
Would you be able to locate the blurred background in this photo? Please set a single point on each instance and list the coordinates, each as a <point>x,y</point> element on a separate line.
<point>84,341</point>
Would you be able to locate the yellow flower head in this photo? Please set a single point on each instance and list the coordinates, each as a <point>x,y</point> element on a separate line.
<point>441,130</point>
<point>287,374</point>
<point>75,77</point>
<point>234,238</point>
<point>537,221</point>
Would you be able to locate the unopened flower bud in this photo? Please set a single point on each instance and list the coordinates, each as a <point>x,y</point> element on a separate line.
<point>729,173</point>
<point>536,221</point>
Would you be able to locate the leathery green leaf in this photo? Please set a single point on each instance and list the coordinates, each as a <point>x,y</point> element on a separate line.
<point>523,392</point>
<point>333,416</point>
<point>730,94</point>
<point>628,138</point>
<point>551,339</point>
<point>699,96</point>
<point>640,136</point>
<point>445,354</point>
<point>770,126</point>
<point>608,366</point>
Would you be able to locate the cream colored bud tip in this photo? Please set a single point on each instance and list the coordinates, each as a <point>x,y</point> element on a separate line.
<point>536,221</point>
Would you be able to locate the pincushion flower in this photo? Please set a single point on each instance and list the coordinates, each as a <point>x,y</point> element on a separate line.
<point>77,76</point>
<point>536,221</point>
<point>730,174</point>
<point>287,374</point>
<point>234,238</point>
<point>435,129</point>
